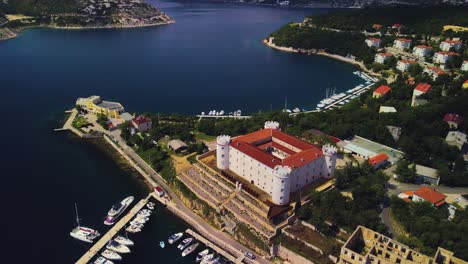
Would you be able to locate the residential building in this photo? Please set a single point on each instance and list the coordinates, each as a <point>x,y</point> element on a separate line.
<point>366,149</point>
<point>379,160</point>
<point>434,72</point>
<point>382,57</point>
<point>366,246</point>
<point>420,89</point>
<point>381,91</point>
<point>403,65</point>
<point>275,162</point>
<point>142,123</point>
<point>447,45</point>
<point>177,145</point>
<point>443,57</point>
<point>456,138</point>
<point>427,175</point>
<point>422,50</point>
<point>453,120</point>
<point>430,195</point>
<point>464,66</point>
<point>95,105</point>
<point>402,43</point>
<point>373,42</point>
<point>387,109</point>
<point>127,117</point>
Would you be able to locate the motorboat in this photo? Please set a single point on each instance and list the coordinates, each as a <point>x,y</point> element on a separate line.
<point>82,233</point>
<point>202,254</point>
<point>117,247</point>
<point>172,239</point>
<point>124,241</point>
<point>185,243</point>
<point>207,259</point>
<point>109,254</point>
<point>133,229</point>
<point>102,260</point>
<point>150,205</point>
<point>190,249</point>
<point>162,244</point>
<point>117,209</point>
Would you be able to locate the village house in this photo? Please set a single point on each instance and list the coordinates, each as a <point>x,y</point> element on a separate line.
<point>422,51</point>
<point>464,66</point>
<point>443,57</point>
<point>382,57</point>
<point>456,138</point>
<point>430,195</point>
<point>426,175</point>
<point>453,120</point>
<point>379,160</point>
<point>403,65</point>
<point>142,123</point>
<point>420,89</point>
<point>387,109</point>
<point>448,45</point>
<point>434,72</point>
<point>177,145</point>
<point>402,43</point>
<point>381,91</point>
<point>373,42</point>
<point>377,26</point>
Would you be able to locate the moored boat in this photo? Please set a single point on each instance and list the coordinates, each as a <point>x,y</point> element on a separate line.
<point>207,259</point>
<point>190,249</point>
<point>109,254</point>
<point>82,233</point>
<point>185,243</point>
<point>117,247</point>
<point>202,254</point>
<point>162,244</point>
<point>172,239</point>
<point>102,260</point>
<point>124,240</point>
<point>117,209</point>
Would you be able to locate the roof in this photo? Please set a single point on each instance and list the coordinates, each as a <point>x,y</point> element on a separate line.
<point>431,195</point>
<point>409,193</point>
<point>452,117</point>
<point>126,116</point>
<point>254,145</point>
<point>436,70</point>
<point>403,40</point>
<point>177,144</point>
<point>141,120</point>
<point>387,109</point>
<point>423,47</point>
<point>384,54</point>
<point>382,89</point>
<point>109,105</point>
<point>377,159</point>
<point>373,39</point>
<point>426,171</point>
<point>456,136</point>
<point>397,25</point>
<point>452,41</point>
<point>408,61</point>
<point>423,87</point>
<point>448,53</point>
<point>356,149</point>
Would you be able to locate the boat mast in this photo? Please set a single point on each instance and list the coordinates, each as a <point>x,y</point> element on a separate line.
<point>77,217</point>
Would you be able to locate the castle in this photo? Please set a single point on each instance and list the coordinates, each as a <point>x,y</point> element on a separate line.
<point>275,162</point>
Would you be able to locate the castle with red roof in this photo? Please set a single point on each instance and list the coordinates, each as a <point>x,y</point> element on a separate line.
<point>274,161</point>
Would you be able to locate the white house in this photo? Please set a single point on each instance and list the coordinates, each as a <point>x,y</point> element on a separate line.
<point>422,50</point>
<point>373,42</point>
<point>382,57</point>
<point>420,89</point>
<point>142,123</point>
<point>449,44</point>
<point>464,66</point>
<point>275,162</point>
<point>434,72</point>
<point>443,57</point>
<point>402,43</point>
<point>403,65</point>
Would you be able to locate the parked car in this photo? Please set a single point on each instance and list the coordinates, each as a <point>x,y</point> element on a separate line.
<point>250,255</point>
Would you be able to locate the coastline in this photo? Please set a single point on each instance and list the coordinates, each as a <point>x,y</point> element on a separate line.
<point>269,43</point>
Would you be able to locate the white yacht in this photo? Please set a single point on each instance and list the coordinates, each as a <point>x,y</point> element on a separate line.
<point>102,260</point>
<point>185,243</point>
<point>124,240</point>
<point>82,233</point>
<point>172,239</point>
<point>133,229</point>
<point>207,259</point>
<point>150,205</point>
<point>117,247</point>
<point>117,210</point>
<point>109,254</point>
<point>202,254</point>
<point>190,249</point>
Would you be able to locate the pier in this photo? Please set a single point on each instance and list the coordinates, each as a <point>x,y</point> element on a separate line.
<point>214,247</point>
<point>223,116</point>
<point>94,250</point>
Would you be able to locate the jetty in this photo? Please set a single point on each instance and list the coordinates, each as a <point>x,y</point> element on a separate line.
<point>208,243</point>
<point>94,250</point>
<point>223,116</point>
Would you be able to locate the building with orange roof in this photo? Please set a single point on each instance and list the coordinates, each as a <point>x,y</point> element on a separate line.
<point>379,160</point>
<point>434,72</point>
<point>422,50</point>
<point>403,65</point>
<point>377,26</point>
<point>142,123</point>
<point>443,57</point>
<point>420,89</point>
<point>430,195</point>
<point>382,57</point>
<point>402,43</point>
<point>274,161</point>
<point>447,45</point>
<point>381,91</point>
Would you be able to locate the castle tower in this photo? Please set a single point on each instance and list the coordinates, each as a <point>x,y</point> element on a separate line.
<point>272,125</point>
<point>329,152</point>
<point>222,152</point>
<point>281,185</point>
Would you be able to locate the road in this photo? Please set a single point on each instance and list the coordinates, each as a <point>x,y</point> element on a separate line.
<point>177,206</point>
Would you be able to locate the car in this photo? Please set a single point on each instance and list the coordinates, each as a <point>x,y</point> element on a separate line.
<point>458,199</point>
<point>250,255</point>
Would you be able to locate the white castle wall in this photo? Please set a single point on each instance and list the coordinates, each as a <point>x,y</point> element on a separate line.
<point>329,153</point>
<point>222,152</point>
<point>281,185</point>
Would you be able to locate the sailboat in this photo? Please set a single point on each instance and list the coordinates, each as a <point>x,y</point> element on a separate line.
<point>82,233</point>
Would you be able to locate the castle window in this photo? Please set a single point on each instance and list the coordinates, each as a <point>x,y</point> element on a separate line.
<point>282,181</point>
<point>282,190</point>
<point>281,198</point>
<point>222,155</point>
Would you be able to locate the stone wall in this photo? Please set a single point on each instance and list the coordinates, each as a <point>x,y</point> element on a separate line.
<point>290,256</point>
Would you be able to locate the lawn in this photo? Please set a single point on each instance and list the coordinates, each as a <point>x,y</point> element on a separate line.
<point>203,137</point>
<point>79,122</point>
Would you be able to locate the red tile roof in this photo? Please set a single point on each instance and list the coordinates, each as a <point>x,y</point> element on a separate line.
<point>452,41</point>
<point>397,25</point>
<point>141,120</point>
<point>409,193</point>
<point>376,26</point>
<point>452,117</point>
<point>373,39</point>
<point>385,54</point>
<point>423,87</point>
<point>448,53</point>
<point>378,159</point>
<point>436,70</point>
<point>403,40</point>
<point>431,195</point>
<point>254,144</point>
<point>423,47</point>
<point>382,89</point>
<point>409,61</point>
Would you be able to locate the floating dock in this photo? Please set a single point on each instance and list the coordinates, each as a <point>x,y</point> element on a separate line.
<point>94,250</point>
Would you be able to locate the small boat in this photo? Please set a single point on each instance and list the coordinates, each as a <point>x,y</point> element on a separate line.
<point>185,243</point>
<point>202,254</point>
<point>124,241</point>
<point>109,254</point>
<point>82,233</point>
<point>117,247</point>
<point>190,249</point>
<point>207,259</point>
<point>162,244</point>
<point>138,220</point>
<point>144,212</point>
<point>150,205</point>
<point>172,239</point>
<point>133,229</point>
<point>102,260</point>
<point>296,110</point>
<point>117,209</point>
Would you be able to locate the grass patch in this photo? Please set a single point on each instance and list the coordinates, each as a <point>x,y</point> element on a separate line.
<point>192,158</point>
<point>247,235</point>
<point>204,137</point>
<point>79,122</point>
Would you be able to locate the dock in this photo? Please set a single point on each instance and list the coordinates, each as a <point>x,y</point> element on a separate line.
<point>223,116</point>
<point>208,243</point>
<point>94,250</point>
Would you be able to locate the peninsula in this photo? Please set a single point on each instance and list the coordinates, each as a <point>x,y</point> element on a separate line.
<point>77,14</point>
